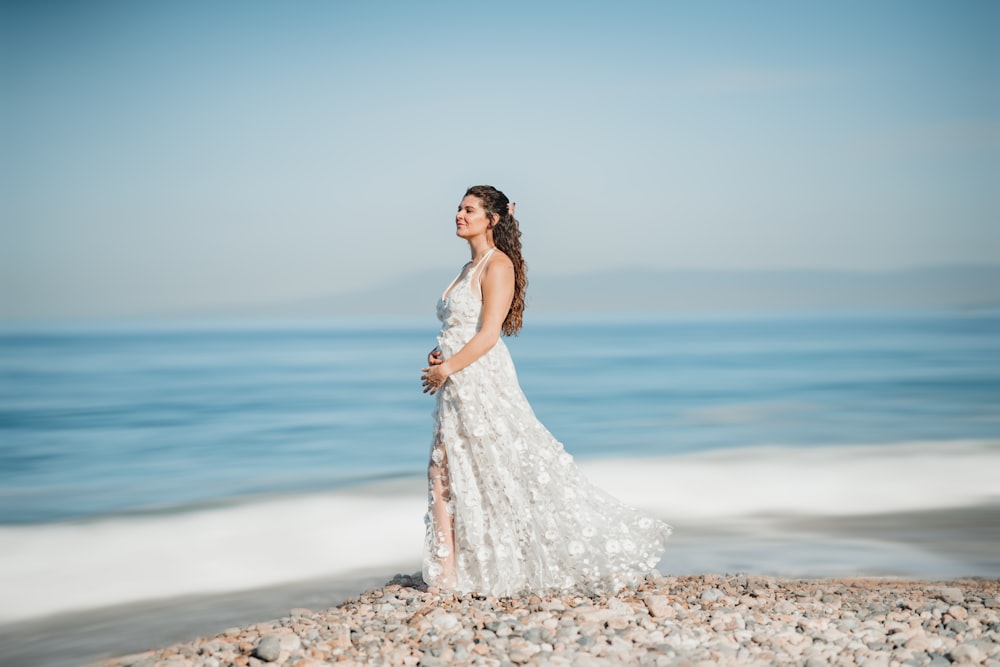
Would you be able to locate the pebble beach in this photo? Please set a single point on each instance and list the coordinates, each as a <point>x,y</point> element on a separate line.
<point>690,620</point>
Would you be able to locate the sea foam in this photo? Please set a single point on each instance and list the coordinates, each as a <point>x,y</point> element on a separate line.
<point>66,566</point>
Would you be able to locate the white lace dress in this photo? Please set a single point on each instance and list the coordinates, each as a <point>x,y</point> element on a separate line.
<point>508,510</point>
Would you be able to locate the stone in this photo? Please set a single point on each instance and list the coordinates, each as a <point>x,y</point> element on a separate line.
<point>727,620</point>
<point>956,626</point>
<point>917,643</point>
<point>712,595</point>
<point>268,648</point>
<point>949,594</point>
<point>659,606</point>
<point>340,636</point>
<point>290,642</point>
<point>445,622</point>
<point>535,635</point>
<point>618,622</point>
<point>965,654</point>
<point>877,660</point>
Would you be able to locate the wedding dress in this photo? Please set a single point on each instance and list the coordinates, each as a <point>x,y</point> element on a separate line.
<point>508,510</point>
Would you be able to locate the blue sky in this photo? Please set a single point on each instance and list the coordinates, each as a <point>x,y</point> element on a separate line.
<point>158,157</point>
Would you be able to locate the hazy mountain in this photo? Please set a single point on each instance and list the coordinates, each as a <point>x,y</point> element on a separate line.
<point>635,291</point>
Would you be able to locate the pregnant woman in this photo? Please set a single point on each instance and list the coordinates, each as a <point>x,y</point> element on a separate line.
<point>509,512</point>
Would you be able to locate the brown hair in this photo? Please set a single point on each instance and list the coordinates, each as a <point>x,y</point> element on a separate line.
<point>507,238</point>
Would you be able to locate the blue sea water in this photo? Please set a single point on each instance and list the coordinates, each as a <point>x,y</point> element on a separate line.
<point>103,419</point>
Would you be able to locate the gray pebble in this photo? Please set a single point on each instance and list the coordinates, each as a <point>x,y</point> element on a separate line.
<point>268,648</point>
<point>957,626</point>
<point>427,660</point>
<point>711,595</point>
<point>938,660</point>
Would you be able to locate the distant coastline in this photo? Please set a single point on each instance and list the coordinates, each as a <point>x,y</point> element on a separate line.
<point>622,291</point>
<point>611,292</point>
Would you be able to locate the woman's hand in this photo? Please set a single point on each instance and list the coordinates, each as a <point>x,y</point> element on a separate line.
<point>434,376</point>
<point>434,357</point>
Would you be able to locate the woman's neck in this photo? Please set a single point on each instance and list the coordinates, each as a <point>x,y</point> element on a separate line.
<point>479,247</point>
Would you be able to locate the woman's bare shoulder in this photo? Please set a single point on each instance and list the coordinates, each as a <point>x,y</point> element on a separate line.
<point>500,258</point>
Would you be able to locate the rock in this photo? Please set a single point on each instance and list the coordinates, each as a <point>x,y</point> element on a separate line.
<point>340,636</point>
<point>965,654</point>
<point>877,660</point>
<point>268,648</point>
<point>523,654</point>
<point>949,594</point>
<point>618,622</point>
<point>958,612</point>
<point>918,644</point>
<point>712,595</point>
<point>290,642</point>
<point>595,616</point>
<point>956,626</point>
<point>535,635</point>
<point>445,623</point>
<point>309,662</point>
<point>727,620</point>
<point>659,606</point>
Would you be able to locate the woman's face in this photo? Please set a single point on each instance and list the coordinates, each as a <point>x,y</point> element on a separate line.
<point>471,220</point>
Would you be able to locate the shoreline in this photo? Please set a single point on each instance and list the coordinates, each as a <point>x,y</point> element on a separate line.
<point>71,639</point>
<point>704,619</point>
<point>914,509</point>
<point>928,546</point>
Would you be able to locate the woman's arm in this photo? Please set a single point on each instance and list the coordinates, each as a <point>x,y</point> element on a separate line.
<point>497,284</point>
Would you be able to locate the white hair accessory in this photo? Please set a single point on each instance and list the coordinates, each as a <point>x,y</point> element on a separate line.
<point>510,208</point>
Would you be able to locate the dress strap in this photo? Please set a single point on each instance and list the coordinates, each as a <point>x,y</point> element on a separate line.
<point>468,274</point>
<point>482,260</point>
<point>474,271</point>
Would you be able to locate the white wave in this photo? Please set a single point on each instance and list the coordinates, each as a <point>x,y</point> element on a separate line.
<point>50,568</point>
<point>857,479</point>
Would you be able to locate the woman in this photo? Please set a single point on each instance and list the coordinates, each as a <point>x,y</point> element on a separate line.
<point>509,512</point>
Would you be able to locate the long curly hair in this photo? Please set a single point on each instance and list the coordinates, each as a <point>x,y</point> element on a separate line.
<point>507,238</point>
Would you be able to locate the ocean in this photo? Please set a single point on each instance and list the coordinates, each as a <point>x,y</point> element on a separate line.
<point>144,460</point>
